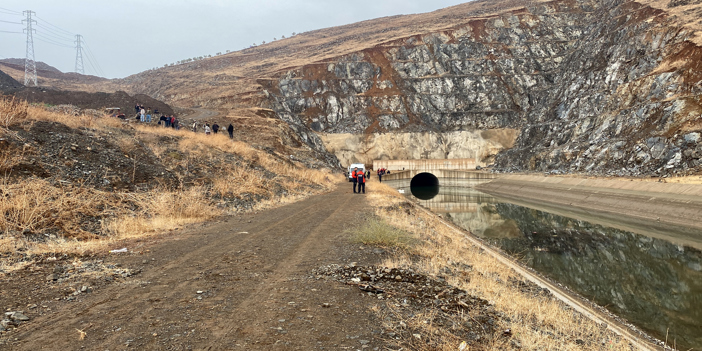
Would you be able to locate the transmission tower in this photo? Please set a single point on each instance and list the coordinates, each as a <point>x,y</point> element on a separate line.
<point>79,55</point>
<point>30,66</point>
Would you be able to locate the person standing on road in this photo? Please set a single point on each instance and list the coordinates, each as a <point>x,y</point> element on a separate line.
<point>353,177</point>
<point>361,179</point>
<point>230,129</point>
<point>215,128</point>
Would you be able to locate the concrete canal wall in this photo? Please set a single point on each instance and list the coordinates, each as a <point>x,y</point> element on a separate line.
<point>643,202</point>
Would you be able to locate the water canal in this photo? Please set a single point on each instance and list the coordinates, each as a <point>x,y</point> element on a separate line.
<point>643,276</point>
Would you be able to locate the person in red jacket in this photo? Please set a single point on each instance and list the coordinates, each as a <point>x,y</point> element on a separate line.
<point>355,181</point>
<point>361,179</point>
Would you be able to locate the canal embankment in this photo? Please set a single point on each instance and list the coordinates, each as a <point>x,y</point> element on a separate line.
<point>535,313</point>
<point>643,204</point>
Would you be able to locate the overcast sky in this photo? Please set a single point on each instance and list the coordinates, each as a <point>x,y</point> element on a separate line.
<point>130,36</point>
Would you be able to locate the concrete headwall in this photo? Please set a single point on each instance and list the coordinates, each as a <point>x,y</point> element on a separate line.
<point>455,178</point>
<point>426,165</point>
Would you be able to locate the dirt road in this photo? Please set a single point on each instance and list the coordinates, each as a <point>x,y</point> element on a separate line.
<point>201,114</point>
<point>242,283</point>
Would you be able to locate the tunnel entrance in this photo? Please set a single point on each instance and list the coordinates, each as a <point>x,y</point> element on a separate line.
<point>424,186</point>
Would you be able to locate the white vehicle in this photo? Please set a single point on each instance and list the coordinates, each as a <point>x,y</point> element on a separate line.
<point>360,166</point>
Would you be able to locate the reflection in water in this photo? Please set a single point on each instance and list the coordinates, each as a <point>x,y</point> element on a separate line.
<point>424,186</point>
<point>425,192</point>
<point>653,283</point>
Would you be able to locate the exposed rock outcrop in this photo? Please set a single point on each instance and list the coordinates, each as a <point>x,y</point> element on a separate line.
<point>598,86</point>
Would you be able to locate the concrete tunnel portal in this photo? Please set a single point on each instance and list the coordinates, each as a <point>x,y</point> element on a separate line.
<point>424,186</point>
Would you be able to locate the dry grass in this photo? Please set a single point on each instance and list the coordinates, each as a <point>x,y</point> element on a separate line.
<point>376,232</point>
<point>163,210</point>
<point>33,206</point>
<point>537,322</point>
<point>43,219</point>
<point>12,111</point>
<point>49,217</point>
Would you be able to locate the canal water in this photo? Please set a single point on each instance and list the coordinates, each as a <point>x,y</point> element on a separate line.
<point>641,275</point>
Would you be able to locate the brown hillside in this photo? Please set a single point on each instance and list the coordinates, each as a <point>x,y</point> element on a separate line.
<point>49,76</point>
<point>231,80</point>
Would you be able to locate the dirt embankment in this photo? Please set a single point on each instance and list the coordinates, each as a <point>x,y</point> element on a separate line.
<point>637,203</point>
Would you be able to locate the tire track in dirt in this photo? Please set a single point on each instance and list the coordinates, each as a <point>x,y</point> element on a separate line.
<point>249,283</point>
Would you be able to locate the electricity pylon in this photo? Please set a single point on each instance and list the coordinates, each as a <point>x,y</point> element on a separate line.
<point>30,66</point>
<point>79,55</point>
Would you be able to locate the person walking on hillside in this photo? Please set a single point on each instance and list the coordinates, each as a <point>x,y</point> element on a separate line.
<point>148,115</point>
<point>230,129</point>
<point>142,112</point>
<point>173,120</point>
<point>195,127</point>
<point>215,128</point>
<point>361,179</point>
<point>207,129</point>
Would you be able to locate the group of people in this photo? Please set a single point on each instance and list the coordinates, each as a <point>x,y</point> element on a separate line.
<point>359,179</point>
<point>144,114</point>
<point>170,121</point>
<point>381,173</point>
<point>214,129</point>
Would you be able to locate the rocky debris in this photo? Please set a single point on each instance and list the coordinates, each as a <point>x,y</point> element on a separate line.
<point>92,101</point>
<point>9,84</point>
<point>73,275</point>
<point>12,320</point>
<point>73,110</point>
<point>409,295</point>
<point>85,156</point>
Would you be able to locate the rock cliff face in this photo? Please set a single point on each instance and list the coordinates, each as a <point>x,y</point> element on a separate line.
<point>598,86</point>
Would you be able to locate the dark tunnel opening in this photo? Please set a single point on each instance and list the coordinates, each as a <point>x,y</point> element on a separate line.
<point>424,186</point>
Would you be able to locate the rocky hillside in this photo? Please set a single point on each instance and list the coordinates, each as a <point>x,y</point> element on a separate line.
<point>596,86</point>
<point>593,86</point>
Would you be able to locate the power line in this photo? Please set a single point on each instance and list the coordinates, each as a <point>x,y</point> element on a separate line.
<point>53,43</point>
<point>55,36</point>
<point>4,31</point>
<point>92,56</point>
<point>10,22</point>
<point>55,26</point>
<point>11,11</point>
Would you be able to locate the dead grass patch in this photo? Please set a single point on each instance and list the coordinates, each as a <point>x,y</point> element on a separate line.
<point>163,210</point>
<point>377,232</point>
<point>53,217</point>
<point>537,322</point>
<point>12,111</point>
